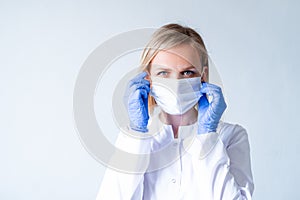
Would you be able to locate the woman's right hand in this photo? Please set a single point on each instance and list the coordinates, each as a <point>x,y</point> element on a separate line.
<point>137,105</point>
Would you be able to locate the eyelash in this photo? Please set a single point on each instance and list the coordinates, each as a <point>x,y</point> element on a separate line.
<point>189,71</point>
<point>164,73</point>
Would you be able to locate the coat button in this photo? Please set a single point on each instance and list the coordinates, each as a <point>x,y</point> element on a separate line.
<point>173,180</point>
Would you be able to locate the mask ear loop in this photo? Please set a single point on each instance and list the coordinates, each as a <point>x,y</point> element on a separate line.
<point>201,75</point>
<point>208,96</point>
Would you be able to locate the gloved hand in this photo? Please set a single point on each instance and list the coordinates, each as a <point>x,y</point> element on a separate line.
<point>209,113</point>
<point>137,103</point>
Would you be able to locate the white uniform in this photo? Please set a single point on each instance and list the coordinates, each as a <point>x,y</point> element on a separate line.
<point>209,166</point>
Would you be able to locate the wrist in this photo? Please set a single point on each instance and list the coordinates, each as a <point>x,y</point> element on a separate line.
<point>202,129</point>
<point>142,129</point>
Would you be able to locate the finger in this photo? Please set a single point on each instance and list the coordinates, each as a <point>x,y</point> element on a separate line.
<point>203,102</point>
<point>139,86</point>
<point>141,75</point>
<point>207,88</point>
<point>211,90</point>
<point>139,94</point>
<point>139,81</point>
<point>214,94</point>
<point>144,94</point>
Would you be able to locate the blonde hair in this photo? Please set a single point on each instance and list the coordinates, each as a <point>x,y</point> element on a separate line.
<point>169,36</point>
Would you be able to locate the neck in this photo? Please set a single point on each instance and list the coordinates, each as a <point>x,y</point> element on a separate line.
<point>188,118</point>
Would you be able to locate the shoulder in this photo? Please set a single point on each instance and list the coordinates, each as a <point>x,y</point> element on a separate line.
<point>231,133</point>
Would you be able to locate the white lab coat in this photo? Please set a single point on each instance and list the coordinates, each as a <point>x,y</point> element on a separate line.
<point>210,166</point>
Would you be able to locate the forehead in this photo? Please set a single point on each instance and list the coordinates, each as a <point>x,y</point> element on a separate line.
<point>181,55</point>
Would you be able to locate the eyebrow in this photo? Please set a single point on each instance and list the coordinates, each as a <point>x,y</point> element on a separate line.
<point>160,67</point>
<point>191,66</point>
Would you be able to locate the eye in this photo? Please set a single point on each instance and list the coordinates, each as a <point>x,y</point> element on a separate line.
<point>188,73</point>
<point>162,73</point>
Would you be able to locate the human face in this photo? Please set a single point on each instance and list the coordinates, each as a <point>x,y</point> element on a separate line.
<point>178,62</point>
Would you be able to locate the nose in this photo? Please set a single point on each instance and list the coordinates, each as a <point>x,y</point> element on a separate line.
<point>176,75</point>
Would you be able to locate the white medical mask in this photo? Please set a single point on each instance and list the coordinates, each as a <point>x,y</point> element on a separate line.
<point>176,96</point>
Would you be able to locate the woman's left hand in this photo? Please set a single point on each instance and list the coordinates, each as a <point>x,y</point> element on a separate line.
<point>209,113</point>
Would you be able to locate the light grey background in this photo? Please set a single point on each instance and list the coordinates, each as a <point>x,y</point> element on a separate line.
<point>254,44</point>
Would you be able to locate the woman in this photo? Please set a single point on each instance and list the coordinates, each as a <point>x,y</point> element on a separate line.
<point>197,156</point>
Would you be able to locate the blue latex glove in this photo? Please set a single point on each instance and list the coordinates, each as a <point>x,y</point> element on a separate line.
<point>209,114</point>
<point>137,103</point>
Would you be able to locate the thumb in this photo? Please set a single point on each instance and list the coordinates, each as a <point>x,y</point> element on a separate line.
<point>203,102</point>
